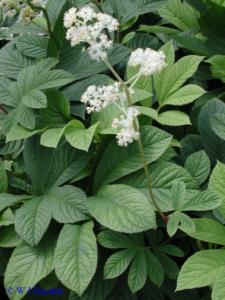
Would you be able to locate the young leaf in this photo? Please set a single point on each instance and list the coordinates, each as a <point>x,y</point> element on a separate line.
<point>138,272</point>
<point>122,208</point>
<point>201,269</point>
<point>75,267</point>
<point>173,224</point>
<point>51,137</point>
<point>118,262</point>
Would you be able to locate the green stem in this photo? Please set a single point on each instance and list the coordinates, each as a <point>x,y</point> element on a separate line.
<point>45,13</point>
<point>140,145</point>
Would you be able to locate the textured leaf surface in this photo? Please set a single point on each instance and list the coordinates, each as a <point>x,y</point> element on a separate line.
<point>76,256</point>
<point>122,208</point>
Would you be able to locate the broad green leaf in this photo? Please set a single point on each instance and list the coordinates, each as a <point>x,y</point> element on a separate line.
<point>7,217</point>
<point>217,66</point>
<point>7,200</point>
<point>170,250</point>
<point>170,268</point>
<point>201,269</point>
<point>186,223</point>
<point>184,95</point>
<point>118,262</point>
<point>122,208</point>
<point>54,8</point>
<point>202,201</point>
<point>8,237</point>
<point>216,184</point>
<point>80,137</point>
<point>51,137</point>
<point>68,204</point>
<point>12,61</point>
<point>178,192</point>
<point>76,256</point>
<point>35,99</point>
<point>28,265</point>
<point>180,14</point>
<point>18,132</point>
<point>213,145</point>
<point>208,230</point>
<point>138,272</point>
<point>198,165</point>
<point>177,75</point>
<point>218,291</point>
<point>157,29</point>
<point>163,175</point>
<point>115,240</point>
<point>128,160</point>
<point>3,178</point>
<point>173,118</point>
<point>147,111</point>
<point>32,45</point>
<point>154,268</point>
<point>218,125</point>
<point>32,219</point>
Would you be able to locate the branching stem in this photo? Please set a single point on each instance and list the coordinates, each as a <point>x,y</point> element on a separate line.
<point>140,145</point>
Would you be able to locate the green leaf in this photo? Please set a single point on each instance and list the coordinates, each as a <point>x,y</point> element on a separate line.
<point>118,262</point>
<point>216,184</point>
<point>51,137</point>
<point>218,290</point>
<point>12,61</point>
<point>3,178</point>
<point>218,125</point>
<point>8,237</point>
<point>186,223</point>
<point>32,45</point>
<point>202,201</point>
<point>7,200</point>
<point>180,14</point>
<point>173,224</point>
<point>115,240</point>
<point>35,99</point>
<point>76,256</point>
<point>78,136</point>
<point>68,204</point>
<point>122,208</point>
<point>185,95</point>
<point>217,66</point>
<point>169,266</point>
<point>28,265</point>
<point>138,272</point>
<point>208,230</point>
<point>127,160</point>
<point>7,217</point>
<point>201,269</point>
<point>149,112</point>
<point>177,75</point>
<point>154,268</point>
<point>198,165</point>
<point>178,192</point>
<point>18,132</point>
<point>32,219</point>
<point>173,118</point>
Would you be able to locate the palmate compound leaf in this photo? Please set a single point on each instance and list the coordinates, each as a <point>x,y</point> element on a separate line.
<point>122,208</point>
<point>76,256</point>
<point>138,272</point>
<point>28,265</point>
<point>65,204</point>
<point>201,269</point>
<point>127,160</point>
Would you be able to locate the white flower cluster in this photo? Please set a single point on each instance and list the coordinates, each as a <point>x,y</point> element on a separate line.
<point>149,61</point>
<point>127,132</point>
<point>85,25</point>
<point>98,97</point>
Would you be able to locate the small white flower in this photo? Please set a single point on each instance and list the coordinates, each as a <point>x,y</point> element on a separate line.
<point>85,25</point>
<point>149,60</point>
<point>127,132</point>
<point>70,17</point>
<point>98,97</point>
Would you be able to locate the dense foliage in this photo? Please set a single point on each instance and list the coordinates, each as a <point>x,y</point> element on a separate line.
<point>99,205</point>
